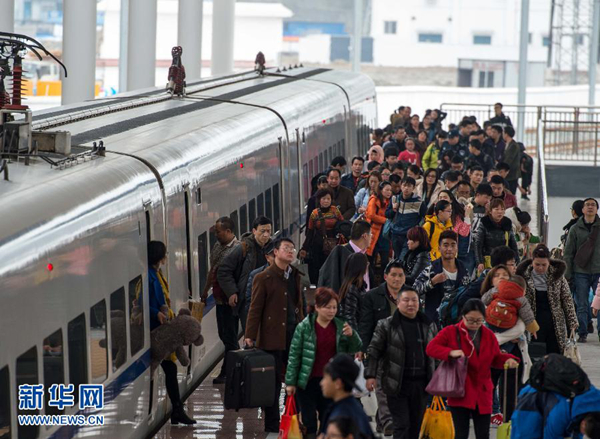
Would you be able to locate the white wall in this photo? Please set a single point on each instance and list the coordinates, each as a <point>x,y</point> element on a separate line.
<point>457,21</point>
<point>421,98</point>
<point>315,49</point>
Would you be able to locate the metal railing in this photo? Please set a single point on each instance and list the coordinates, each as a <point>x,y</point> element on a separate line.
<point>569,133</point>
<point>542,188</point>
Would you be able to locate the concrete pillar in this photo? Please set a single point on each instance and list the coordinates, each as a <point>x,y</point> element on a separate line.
<point>7,16</point>
<point>357,37</point>
<point>523,61</point>
<point>222,37</point>
<point>189,36</point>
<point>141,44</point>
<point>79,50</point>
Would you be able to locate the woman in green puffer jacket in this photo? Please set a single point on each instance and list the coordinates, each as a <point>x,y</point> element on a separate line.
<point>316,340</point>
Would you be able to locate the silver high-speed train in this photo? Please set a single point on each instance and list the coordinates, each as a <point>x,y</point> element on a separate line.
<point>73,236</point>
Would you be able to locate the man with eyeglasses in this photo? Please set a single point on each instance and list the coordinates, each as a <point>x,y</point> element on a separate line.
<point>582,256</point>
<point>277,307</point>
<point>381,303</point>
<point>398,350</point>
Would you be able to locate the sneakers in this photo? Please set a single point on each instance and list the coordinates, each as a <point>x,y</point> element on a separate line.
<point>497,419</point>
<point>582,339</point>
<point>388,428</point>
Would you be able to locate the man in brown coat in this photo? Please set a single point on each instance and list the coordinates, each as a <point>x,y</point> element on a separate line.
<point>277,307</point>
<point>343,197</point>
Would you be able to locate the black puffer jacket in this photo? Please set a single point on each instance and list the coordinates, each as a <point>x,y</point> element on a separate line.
<point>415,262</point>
<point>349,309</point>
<point>387,350</point>
<point>375,306</point>
<point>490,235</point>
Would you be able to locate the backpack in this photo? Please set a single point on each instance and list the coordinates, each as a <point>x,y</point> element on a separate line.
<point>556,373</point>
<point>502,313</point>
<point>449,310</point>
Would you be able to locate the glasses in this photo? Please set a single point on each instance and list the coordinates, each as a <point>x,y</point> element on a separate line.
<point>474,321</point>
<point>287,249</point>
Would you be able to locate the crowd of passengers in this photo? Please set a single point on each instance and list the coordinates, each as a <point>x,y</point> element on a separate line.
<point>421,252</point>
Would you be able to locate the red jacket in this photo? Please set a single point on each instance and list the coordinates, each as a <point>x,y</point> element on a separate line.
<point>479,385</point>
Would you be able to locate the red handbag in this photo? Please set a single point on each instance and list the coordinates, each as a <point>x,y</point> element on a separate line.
<point>450,378</point>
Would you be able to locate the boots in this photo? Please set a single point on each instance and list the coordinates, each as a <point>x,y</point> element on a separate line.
<point>178,416</point>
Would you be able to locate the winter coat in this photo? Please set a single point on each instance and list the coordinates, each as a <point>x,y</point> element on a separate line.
<point>434,229</point>
<point>250,283</point>
<point>433,294</point>
<point>431,157</point>
<point>479,387</point>
<point>559,296</point>
<point>409,213</point>
<point>331,273</point>
<point>267,317</point>
<point>578,234</point>
<point>548,415</point>
<point>512,156</point>
<point>375,215</point>
<point>483,160</point>
<point>343,199</point>
<point>439,187</point>
<point>350,306</point>
<point>349,182</point>
<point>415,262</point>
<point>374,307</point>
<point>387,351</point>
<point>524,310</point>
<point>235,268</point>
<point>303,349</point>
<point>490,235</point>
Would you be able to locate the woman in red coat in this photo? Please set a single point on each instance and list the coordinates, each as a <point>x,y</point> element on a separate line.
<point>479,344</point>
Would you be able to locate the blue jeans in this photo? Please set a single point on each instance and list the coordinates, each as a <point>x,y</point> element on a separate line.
<point>400,246</point>
<point>583,284</point>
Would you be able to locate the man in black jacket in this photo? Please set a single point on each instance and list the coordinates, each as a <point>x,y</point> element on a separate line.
<point>398,349</point>
<point>380,303</point>
<point>332,271</point>
<point>343,198</point>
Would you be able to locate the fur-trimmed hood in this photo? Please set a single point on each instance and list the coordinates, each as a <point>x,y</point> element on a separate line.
<point>555,271</point>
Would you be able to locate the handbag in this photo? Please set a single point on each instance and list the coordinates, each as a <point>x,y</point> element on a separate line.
<point>586,251</point>
<point>571,349</point>
<point>450,378</point>
<point>437,421</point>
<point>196,309</point>
<point>289,427</point>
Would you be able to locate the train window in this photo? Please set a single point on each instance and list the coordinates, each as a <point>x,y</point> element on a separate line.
<point>305,181</point>
<point>321,162</point>
<point>331,152</point>
<point>5,424</point>
<point>118,329</point>
<point>202,261</point>
<point>269,204</point>
<point>243,219</point>
<point>311,172</point>
<point>98,334</point>
<point>27,373</point>
<point>343,147</point>
<point>326,159</point>
<point>136,315</point>
<point>199,196</point>
<point>77,353</point>
<point>276,209</point>
<point>54,368</point>
<point>251,212</point>
<point>260,200</point>
<point>234,217</point>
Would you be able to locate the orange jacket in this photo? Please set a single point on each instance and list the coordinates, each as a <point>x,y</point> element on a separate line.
<point>375,215</point>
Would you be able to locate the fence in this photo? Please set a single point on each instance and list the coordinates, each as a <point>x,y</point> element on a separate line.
<point>568,134</point>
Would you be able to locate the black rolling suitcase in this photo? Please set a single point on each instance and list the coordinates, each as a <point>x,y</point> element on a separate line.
<point>250,379</point>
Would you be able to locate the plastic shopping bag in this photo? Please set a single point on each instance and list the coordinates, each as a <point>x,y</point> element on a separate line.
<point>437,422</point>
<point>289,427</point>
<point>360,384</point>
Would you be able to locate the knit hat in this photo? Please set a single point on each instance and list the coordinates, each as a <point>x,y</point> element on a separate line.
<point>509,289</point>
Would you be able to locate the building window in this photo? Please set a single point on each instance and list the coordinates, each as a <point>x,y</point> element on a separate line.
<point>482,39</point>
<point>430,38</point>
<point>546,41</point>
<point>389,27</point>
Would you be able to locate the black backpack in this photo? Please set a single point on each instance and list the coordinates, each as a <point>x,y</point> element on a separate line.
<point>556,373</point>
